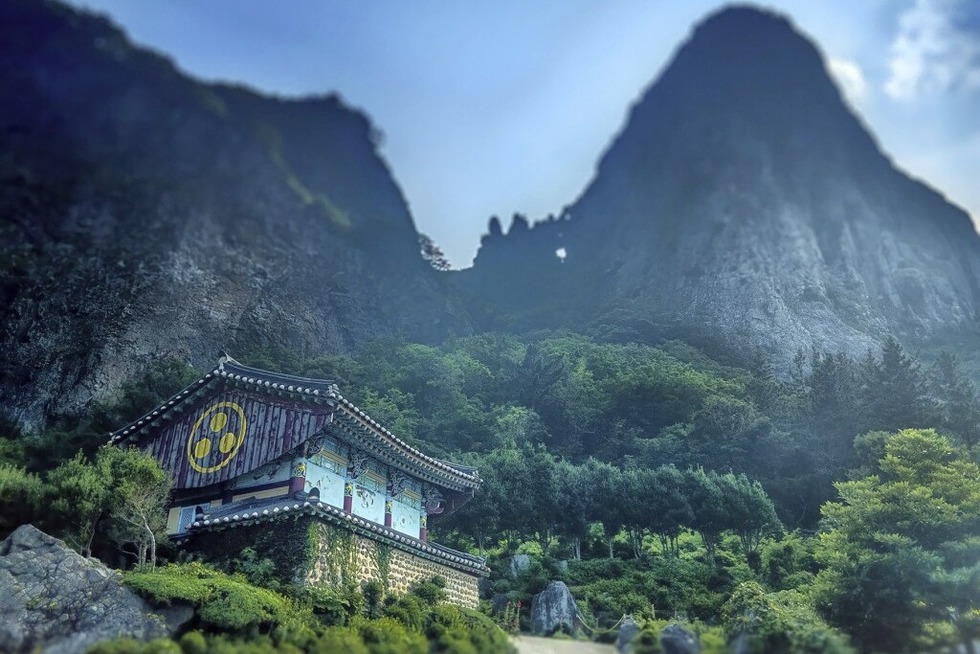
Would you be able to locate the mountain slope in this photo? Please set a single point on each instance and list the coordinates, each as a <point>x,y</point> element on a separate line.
<point>147,215</point>
<point>744,204</point>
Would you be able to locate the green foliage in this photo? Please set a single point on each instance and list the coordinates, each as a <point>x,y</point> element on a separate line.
<point>334,606</point>
<point>663,587</point>
<point>900,550</point>
<point>221,601</point>
<point>21,498</point>
<point>290,548</point>
<point>788,563</point>
<point>130,646</point>
<point>647,641</point>
<point>340,639</point>
<point>260,571</point>
<point>138,497</point>
<point>193,642</point>
<point>778,622</point>
<point>373,592</point>
<point>122,494</point>
<point>431,591</point>
<point>409,610</point>
<point>81,499</point>
<point>701,451</point>
<point>389,636</point>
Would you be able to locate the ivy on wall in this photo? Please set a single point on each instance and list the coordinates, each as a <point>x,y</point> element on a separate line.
<point>381,555</point>
<point>288,541</point>
<point>337,550</point>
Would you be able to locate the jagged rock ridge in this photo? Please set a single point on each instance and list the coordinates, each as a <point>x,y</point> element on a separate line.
<point>743,203</point>
<point>145,215</point>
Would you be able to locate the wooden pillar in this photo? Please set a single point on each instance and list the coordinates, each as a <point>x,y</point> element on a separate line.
<point>348,496</point>
<point>387,512</point>
<point>423,530</point>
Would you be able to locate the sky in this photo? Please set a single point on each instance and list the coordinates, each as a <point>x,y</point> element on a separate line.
<point>500,107</point>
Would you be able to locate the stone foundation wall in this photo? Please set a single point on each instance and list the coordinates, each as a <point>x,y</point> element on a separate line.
<point>344,557</point>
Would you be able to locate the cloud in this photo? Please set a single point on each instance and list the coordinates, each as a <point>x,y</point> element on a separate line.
<point>850,78</point>
<point>936,49</point>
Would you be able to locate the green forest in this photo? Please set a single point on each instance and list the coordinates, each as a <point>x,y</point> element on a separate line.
<point>835,510</point>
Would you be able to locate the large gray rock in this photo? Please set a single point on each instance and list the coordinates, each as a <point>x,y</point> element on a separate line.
<point>675,639</point>
<point>518,564</point>
<point>553,609</point>
<point>627,633</point>
<point>58,602</point>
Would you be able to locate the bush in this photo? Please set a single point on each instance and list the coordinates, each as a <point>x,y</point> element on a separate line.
<point>221,602</point>
<point>389,636</point>
<point>193,642</point>
<point>790,562</point>
<point>331,606</point>
<point>339,639</point>
<point>410,610</point>
<point>373,593</point>
<point>431,591</point>
<point>484,633</point>
<point>130,646</point>
<point>21,495</point>
<point>779,622</point>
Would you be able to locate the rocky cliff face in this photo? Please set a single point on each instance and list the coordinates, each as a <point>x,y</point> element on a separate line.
<point>144,215</point>
<point>743,203</point>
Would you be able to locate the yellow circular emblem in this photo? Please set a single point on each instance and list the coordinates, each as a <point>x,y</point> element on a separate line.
<point>220,428</point>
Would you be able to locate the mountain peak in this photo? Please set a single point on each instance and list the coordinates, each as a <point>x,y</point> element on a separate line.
<point>744,202</point>
<point>747,70</point>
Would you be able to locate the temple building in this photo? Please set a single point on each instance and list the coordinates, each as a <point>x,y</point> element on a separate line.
<point>288,467</point>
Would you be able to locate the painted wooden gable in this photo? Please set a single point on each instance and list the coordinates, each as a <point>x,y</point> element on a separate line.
<point>233,431</point>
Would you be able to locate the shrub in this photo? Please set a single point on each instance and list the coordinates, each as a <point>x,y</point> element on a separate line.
<point>779,622</point>
<point>389,636</point>
<point>130,646</point>
<point>410,610</point>
<point>331,606</point>
<point>221,602</point>
<point>193,642</point>
<point>431,591</point>
<point>485,635</point>
<point>339,639</point>
<point>373,593</point>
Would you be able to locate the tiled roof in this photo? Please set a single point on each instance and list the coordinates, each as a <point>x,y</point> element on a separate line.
<point>361,426</point>
<point>263,510</point>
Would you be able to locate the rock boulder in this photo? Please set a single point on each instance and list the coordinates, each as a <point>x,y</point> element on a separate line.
<point>553,609</point>
<point>627,633</point>
<point>518,564</point>
<point>675,639</point>
<point>55,601</point>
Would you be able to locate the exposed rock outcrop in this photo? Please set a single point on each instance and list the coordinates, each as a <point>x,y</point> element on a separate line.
<point>744,206</point>
<point>56,601</point>
<point>553,609</point>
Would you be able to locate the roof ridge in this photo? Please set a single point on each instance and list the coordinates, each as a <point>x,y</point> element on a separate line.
<point>240,368</point>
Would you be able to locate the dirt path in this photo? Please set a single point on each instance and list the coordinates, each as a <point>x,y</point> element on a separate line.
<point>535,645</point>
